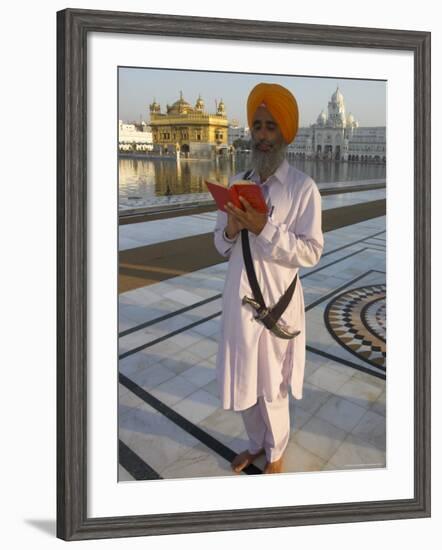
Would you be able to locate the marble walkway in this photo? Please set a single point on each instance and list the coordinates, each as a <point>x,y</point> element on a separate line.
<point>177,227</point>
<point>170,421</point>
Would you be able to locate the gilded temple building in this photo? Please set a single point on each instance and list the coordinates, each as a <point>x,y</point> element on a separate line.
<point>190,130</point>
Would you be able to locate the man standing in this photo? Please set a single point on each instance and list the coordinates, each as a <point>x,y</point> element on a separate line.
<point>255,367</point>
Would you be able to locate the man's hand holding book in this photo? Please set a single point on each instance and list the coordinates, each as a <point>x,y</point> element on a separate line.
<point>239,219</point>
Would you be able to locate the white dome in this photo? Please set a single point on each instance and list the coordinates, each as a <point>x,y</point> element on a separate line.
<point>352,122</point>
<point>337,97</point>
<point>321,118</point>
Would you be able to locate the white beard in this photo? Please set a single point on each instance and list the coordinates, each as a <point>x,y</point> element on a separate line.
<point>267,162</point>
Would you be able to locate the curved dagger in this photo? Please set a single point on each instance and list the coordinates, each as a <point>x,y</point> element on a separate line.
<point>277,329</point>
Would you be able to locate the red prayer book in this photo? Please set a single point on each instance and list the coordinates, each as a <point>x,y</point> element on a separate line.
<point>250,190</point>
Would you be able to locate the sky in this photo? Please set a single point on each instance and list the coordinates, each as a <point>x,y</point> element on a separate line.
<point>138,87</point>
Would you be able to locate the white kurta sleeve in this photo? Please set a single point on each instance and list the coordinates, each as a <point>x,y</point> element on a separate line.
<point>302,245</point>
<point>223,246</point>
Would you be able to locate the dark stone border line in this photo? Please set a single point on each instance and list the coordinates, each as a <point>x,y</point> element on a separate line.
<point>380,245</point>
<point>200,321</point>
<point>135,465</point>
<point>168,315</point>
<point>339,288</point>
<point>205,438</point>
<point>373,247</point>
<point>169,335</point>
<point>334,262</point>
<point>216,296</point>
<point>351,244</point>
<point>346,362</point>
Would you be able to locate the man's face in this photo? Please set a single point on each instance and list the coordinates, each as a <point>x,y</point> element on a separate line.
<point>265,131</point>
<point>268,145</point>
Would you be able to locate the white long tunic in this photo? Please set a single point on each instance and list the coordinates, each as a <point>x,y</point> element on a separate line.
<point>251,360</point>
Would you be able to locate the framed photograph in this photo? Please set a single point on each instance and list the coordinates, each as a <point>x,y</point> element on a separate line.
<point>152,107</point>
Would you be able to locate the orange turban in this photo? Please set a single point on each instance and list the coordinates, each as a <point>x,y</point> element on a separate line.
<point>281,104</point>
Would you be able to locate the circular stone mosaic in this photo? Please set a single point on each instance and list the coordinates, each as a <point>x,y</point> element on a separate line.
<point>357,320</point>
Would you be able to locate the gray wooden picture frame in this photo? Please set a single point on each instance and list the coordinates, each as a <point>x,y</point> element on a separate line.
<point>73,26</point>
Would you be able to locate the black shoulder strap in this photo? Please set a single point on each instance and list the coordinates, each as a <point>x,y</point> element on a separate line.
<point>251,275</point>
<point>284,301</point>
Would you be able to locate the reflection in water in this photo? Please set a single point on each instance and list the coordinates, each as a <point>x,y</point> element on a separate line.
<point>157,177</point>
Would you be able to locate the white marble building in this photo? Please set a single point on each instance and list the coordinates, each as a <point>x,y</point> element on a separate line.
<point>237,132</point>
<point>338,136</point>
<point>134,136</point>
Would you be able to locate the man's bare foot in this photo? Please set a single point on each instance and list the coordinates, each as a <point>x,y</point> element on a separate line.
<point>242,460</point>
<point>273,467</point>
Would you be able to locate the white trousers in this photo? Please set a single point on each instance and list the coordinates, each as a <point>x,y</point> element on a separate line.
<point>268,426</point>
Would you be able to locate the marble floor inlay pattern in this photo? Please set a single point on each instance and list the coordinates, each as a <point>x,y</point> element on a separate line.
<point>171,424</point>
<point>356,319</point>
